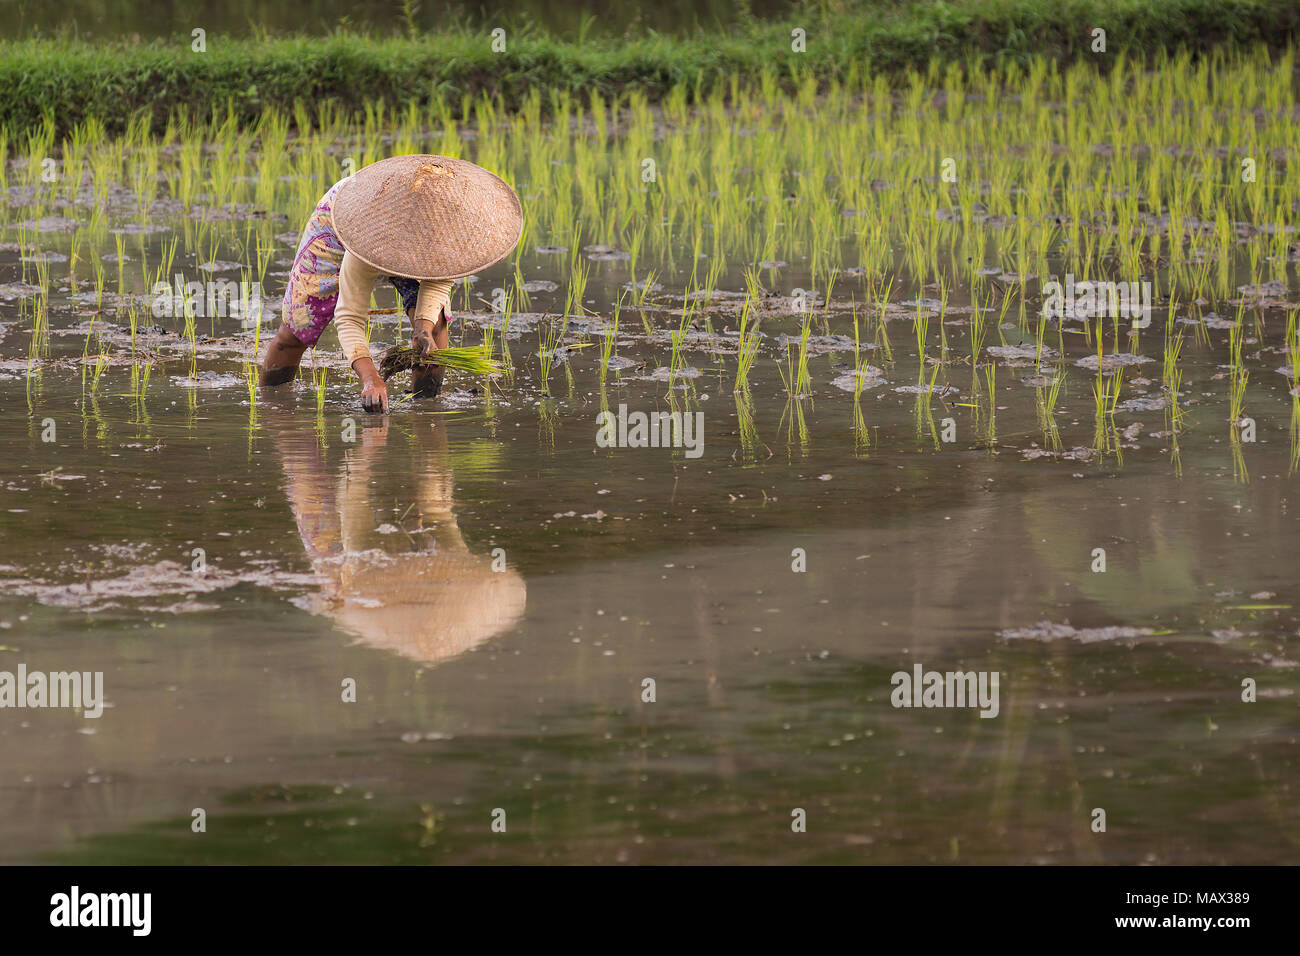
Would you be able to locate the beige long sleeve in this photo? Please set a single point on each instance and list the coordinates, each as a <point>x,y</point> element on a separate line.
<point>351,313</point>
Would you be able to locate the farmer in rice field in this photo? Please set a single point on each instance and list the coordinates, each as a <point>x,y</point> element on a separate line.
<point>420,221</point>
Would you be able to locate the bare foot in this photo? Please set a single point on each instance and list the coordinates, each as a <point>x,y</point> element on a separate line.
<point>426,380</point>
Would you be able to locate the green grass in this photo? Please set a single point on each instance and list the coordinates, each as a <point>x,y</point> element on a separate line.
<point>75,79</point>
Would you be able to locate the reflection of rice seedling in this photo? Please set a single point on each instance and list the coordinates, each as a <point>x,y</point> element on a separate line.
<point>746,429</point>
<point>794,421</point>
<point>1047,401</point>
<point>861,436</point>
<point>923,412</point>
<point>675,360</point>
<point>1291,342</point>
<point>1239,471</point>
<point>140,387</point>
<point>803,380</point>
<point>1105,393</point>
<point>922,333</point>
<point>547,419</point>
<point>943,329</point>
<point>990,420</point>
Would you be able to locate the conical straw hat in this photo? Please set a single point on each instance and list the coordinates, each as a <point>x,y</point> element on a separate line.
<point>427,217</point>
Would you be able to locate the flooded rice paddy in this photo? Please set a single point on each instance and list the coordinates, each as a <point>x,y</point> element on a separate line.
<point>904,460</point>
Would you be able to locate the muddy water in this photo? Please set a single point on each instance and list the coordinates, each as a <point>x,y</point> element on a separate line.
<point>494,588</point>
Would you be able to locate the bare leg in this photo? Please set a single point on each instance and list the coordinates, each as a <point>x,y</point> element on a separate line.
<point>426,380</point>
<point>283,353</point>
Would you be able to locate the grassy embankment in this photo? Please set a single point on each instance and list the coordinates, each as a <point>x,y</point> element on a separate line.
<point>72,80</point>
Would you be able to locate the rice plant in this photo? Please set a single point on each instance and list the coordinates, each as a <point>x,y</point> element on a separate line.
<point>549,339</point>
<point>747,346</point>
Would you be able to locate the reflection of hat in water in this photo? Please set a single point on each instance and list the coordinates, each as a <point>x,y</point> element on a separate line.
<point>428,606</point>
<point>427,217</point>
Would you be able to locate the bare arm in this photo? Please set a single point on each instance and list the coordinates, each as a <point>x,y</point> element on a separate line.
<point>356,281</point>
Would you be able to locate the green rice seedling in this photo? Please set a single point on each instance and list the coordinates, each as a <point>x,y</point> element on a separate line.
<point>608,341</point>
<point>319,380</point>
<point>978,323</point>
<point>863,144</point>
<point>549,338</point>
<point>1172,380</point>
<point>1106,392</point>
<point>747,346</point>
<point>943,329</point>
<point>250,381</point>
<point>803,380</point>
<point>922,328</point>
<point>488,346</point>
<point>39,347</point>
<point>101,363</point>
<point>507,361</point>
<point>643,288</point>
<point>676,360</point>
<point>882,332</point>
<point>787,372</point>
<point>1291,342</point>
<point>472,359</point>
<point>5,137</point>
<point>1238,376</point>
<point>710,287</point>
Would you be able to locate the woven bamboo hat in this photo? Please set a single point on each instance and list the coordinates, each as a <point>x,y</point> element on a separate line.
<point>427,217</point>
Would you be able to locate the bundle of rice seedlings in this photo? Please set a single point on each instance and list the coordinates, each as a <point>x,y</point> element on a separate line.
<point>475,359</point>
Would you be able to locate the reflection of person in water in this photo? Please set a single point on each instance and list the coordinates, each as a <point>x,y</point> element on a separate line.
<point>417,590</point>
